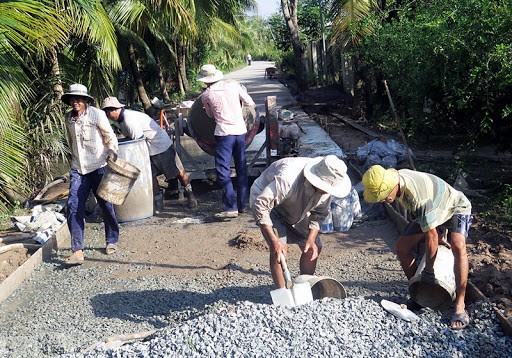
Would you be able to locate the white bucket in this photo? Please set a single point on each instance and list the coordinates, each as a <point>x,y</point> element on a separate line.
<point>437,297</point>
<point>139,202</point>
<point>322,286</point>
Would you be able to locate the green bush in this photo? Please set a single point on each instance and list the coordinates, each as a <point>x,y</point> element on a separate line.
<point>448,65</point>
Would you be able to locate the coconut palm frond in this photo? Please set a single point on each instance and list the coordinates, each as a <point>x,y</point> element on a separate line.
<point>348,25</point>
<point>91,23</point>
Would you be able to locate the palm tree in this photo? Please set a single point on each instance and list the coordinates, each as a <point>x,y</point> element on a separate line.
<point>349,28</point>
<point>27,29</point>
<point>348,25</point>
<point>136,17</point>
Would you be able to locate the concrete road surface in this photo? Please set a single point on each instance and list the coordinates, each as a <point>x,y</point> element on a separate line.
<point>313,141</point>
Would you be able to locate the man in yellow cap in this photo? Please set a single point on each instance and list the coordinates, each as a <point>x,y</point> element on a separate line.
<point>434,205</point>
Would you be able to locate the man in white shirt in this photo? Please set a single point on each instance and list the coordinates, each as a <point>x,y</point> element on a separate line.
<point>164,160</point>
<point>92,142</point>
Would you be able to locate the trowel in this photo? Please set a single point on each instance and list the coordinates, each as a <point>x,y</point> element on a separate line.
<point>292,294</point>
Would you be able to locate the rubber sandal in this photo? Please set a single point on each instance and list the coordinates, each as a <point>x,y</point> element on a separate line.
<point>110,249</point>
<point>459,317</point>
<point>73,260</point>
<point>226,214</point>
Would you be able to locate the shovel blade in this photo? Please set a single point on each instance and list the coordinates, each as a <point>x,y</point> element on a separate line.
<point>282,297</point>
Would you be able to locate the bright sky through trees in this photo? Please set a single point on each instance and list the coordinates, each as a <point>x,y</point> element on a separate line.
<point>268,7</point>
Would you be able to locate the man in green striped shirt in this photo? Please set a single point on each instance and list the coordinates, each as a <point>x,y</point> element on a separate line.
<point>434,206</point>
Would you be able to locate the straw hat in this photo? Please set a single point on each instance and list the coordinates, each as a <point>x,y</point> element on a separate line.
<point>378,183</point>
<point>209,74</point>
<point>76,90</point>
<point>111,102</point>
<point>329,174</point>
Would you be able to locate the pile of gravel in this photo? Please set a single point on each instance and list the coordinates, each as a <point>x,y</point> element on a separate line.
<point>65,312</point>
<point>354,327</point>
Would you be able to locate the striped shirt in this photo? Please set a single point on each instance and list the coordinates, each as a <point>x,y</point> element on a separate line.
<point>430,199</point>
<point>135,125</point>
<point>282,187</point>
<point>89,138</point>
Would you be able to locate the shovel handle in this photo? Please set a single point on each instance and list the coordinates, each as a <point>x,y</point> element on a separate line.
<point>286,273</point>
<point>282,261</point>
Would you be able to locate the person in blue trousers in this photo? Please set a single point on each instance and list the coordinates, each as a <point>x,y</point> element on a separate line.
<point>92,142</point>
<point>222,101</point>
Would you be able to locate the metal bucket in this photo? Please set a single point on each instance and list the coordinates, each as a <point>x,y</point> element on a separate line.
<point>202,128</point>
<point>437,297</point>
<point>139,202</point>
<point>323,286</point>
<point>117,181</point>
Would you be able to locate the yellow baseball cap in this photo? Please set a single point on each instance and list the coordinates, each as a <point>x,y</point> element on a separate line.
<point>378,183</point>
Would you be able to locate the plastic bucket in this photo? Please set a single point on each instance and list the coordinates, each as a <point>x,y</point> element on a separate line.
<point>117,181</point>
<point>437,297</point>
<point>323,286</point>
<point>139,202</point>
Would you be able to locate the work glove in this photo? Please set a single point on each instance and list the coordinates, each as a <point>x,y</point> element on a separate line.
<point>111,155</point>
<point>428,277</point>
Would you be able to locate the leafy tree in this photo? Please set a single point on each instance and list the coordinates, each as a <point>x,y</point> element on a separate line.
<point>28,29</point>
<point>449,66</point>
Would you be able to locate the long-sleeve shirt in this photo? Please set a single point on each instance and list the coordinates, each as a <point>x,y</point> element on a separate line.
<point>90,137</point>
<point>282,187</point>
<point>430,199</point>
<point>221,102</point>
<point>135,125</point>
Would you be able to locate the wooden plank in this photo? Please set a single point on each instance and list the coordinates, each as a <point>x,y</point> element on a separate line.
<point>11,283</point>
<point>356,125</point>
<point>505,323</point>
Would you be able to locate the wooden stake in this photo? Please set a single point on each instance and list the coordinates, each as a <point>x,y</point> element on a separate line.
<point>397,120</point>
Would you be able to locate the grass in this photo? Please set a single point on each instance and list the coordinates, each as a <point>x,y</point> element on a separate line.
<point>5,218</point>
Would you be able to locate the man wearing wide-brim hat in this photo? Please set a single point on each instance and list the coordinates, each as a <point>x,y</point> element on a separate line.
<point>92,142</point>
<point>433,204</point>
<point>222,101</point>
<point>293,196</point>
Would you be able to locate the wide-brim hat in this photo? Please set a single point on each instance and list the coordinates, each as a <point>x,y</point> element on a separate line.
<point>329,174</point>
<point>111,102</point>
<point>76,90</point>
<point>378,183</point>
<point>209,74</point>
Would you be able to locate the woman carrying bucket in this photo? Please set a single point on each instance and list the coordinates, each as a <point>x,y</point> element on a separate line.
<point>91,142</point>
<point>435,205</point>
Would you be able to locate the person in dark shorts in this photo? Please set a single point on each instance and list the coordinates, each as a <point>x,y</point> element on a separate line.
<point>435,206</point>
<point>164,160</point>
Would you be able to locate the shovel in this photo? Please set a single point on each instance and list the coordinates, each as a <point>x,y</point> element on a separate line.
<point>292,294</point>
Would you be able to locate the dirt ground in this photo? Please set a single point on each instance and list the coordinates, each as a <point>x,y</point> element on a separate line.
<point>198,245</point>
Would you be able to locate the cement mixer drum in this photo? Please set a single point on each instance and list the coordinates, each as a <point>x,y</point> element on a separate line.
<point>202,128</point>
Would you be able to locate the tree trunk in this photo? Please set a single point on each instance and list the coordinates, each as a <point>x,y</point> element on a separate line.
<point>161,82</point>
<point>58,91</point>
<point>181,85</point>
<point>182,67</point>
<point>299,51</point>
<point>143,96</point>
